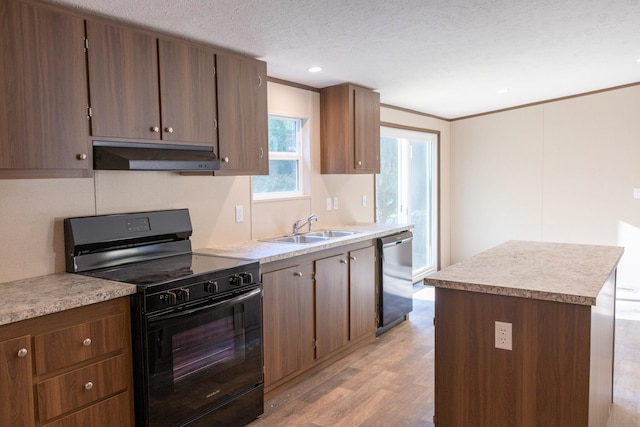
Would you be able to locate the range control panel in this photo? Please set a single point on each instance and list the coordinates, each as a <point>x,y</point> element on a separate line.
<point>196,288</point>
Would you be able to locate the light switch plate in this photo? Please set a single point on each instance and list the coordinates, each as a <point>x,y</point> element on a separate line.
<point>636,193</point>
<point>329,203</point>
<point>335,203</point>
<point>239,214</point>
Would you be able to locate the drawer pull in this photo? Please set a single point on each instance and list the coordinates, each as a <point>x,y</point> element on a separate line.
<point>86,342</point>
<point>88,386</point>
<point>22,352</point>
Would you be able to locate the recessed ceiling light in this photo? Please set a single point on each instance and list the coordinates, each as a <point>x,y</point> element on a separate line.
<point>315,69</point>
<point>504,90</point>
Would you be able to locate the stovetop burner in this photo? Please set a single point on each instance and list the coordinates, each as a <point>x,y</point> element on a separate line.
<point>163,270</point>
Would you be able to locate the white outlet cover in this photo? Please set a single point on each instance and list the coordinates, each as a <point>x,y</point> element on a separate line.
<point>239,214</point>
<point>504,336</point>
<point>329,203</point>
<point>364,200</point>
<point>636,193</point>
<point>335,203</point>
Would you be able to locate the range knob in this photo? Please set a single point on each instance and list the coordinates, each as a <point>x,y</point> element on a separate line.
<point>183,294</point>
<point>236,280</point>
<point>211,287</point>
<point>169,298</point>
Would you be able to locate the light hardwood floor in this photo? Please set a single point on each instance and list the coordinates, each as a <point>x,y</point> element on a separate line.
<point>390,381</point>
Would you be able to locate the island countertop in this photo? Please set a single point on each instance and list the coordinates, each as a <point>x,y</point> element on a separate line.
<point>562,272</point>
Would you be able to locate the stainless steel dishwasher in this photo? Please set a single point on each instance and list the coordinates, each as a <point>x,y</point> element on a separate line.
<point>395,287</point>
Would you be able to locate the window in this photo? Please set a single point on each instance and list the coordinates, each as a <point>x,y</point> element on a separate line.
<point>286,161</point>
<point>406,190</point>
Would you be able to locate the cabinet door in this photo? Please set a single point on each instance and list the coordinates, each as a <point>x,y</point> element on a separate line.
<point>123,82</point>
<point>16,391</point>
<point>43,91</point>
<point>362,282</point>
<point>287,321</point>
<point>187,92</point>
<point>366,130</point>
<point>332,304</point>
<point>242,115</point>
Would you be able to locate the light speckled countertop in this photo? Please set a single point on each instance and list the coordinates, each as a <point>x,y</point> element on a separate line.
<point>265,252</point>
<point>38,296</point>
<point>560,272</point>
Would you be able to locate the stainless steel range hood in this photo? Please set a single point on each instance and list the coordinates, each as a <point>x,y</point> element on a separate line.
<point>114,155</point>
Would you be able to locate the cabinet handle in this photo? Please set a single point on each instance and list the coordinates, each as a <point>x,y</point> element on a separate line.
<point>354,258</point>
<point>22,352</point>
<point>86,342</point>
<point>259,80</point>
<point>215,124</point>
<point>155,129</point>
<point>343,261</point>
<point>261,152</point>
<point>81,156</point>
<point>299,274</point>
<point>226,160</point>
<point>88,386</point>
<point>168,129</point>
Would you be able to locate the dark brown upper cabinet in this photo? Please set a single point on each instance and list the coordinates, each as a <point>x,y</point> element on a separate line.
<point>243,116</point>
<point>43,109</point>
<point>144,87</point>
<point>349,130</point>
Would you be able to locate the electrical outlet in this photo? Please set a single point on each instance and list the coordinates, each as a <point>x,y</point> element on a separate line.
<point>329,203</point>
<point>364,201</point>
<point>239,214</point>
<point>503,336</point>
<point>335,203</point>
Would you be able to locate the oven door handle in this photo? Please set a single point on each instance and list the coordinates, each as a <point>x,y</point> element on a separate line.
<point>218,305</point>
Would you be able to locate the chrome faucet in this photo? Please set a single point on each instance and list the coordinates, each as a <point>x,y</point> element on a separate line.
<point>297,225</point>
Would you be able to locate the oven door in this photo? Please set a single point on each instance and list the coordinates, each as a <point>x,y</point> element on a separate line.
<point>202,356</point>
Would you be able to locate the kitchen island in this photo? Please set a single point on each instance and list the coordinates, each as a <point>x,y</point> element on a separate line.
<point>560,302</point>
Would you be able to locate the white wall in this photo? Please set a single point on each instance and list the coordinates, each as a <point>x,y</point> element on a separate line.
<point>561,171</point>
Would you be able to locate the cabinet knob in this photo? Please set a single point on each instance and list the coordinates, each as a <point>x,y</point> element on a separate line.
<point>343,261</point>
<point>354,258</point>
<point>359,162</point>
<point>155,129</point>
<point>22,352</point>
<point>81,156</point>
<point>88,386</point>
<point>226,160</point>
<point>86,342</point>
<point>299,274</point>
<point>168,129</point>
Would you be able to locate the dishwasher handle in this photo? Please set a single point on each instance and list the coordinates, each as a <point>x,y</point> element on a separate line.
<point>395,239</point>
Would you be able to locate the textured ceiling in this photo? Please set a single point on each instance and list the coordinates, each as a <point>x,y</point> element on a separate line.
<point>448,58</point>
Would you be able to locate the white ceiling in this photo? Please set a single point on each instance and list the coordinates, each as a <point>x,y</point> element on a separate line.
<point>448,58</point>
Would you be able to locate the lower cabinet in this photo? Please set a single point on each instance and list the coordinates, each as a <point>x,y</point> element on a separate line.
<point>76,362</point>
<point>315,307</point>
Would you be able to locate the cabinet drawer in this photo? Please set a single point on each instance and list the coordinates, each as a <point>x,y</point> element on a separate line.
<point>115,411</point>
<point>80,387</point>
<point>75,344</point>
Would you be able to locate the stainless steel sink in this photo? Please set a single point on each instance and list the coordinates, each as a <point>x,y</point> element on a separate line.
<point>300,238</point>
<point>331,233</point>
<point>312,237</point>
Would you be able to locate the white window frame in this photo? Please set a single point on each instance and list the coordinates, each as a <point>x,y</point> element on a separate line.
<point>302,142</point>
